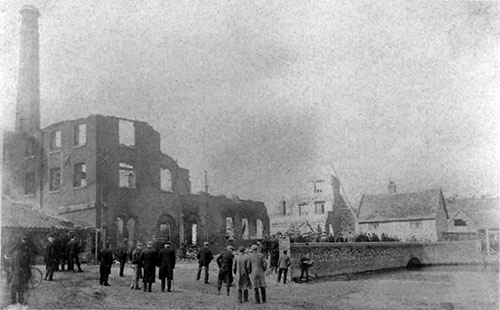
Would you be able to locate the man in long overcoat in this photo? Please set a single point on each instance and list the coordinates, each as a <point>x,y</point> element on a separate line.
<point>225,263</point>
<point>106,261</point>
<point>51,260</point>
<point>257,268</point>
<point>148,261</point>
<point>166,258</point>
<point>21,271</point>
<point>242,274</point>
<point>204,258</point>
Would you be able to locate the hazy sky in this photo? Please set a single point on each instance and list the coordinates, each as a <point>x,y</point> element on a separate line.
<point>266,94</point>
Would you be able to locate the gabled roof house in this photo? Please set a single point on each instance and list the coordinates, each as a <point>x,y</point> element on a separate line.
<point>419,216</point>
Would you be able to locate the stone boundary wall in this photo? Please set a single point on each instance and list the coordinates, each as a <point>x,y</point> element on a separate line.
<point>453,253</point>
<point>331,259</point>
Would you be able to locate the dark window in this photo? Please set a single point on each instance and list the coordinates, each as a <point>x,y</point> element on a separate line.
<point>29,185</point>
<point>55,140</point>
<point>80,135</point>
<point>80,175</point>
<point>55,179</point>
<point>319,207</point>
<point>30,148</point>
<point>459,222</point>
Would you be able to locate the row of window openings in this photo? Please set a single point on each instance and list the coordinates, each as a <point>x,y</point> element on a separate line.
<point>127,178</point>
<point>319,208</point>
<point>79,137</point>
<point>414,224</point>
<point>126,133</point>
<point>245,231</point>
<point>79,179</point>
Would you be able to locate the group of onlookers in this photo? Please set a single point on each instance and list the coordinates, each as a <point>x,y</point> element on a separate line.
<point>64,250</point>
<point>323,237</point>
<point>245,267</point>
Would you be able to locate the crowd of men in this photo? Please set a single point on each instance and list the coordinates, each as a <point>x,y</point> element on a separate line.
<point>323,237</point>
<point>245,267</point>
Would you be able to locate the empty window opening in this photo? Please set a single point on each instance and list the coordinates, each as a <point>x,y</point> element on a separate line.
<point>55,179</point>
<point>127,176</point>
<point>260,229</point>
<point>119,227</point>
<point>194,233</point>
<point>29,184</point>
<point>229,228</point>
<point>55,140</point>
<point>166,180</point>
<point>459,222</point>
<point>80,175</point>
<point>244,229</point>
<point>80,135</point>
<point>126,133</point>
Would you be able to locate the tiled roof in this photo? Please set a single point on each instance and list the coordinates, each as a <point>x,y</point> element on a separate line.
<point>19,215</point>
<point>485,213</point>
<point>397,207</point>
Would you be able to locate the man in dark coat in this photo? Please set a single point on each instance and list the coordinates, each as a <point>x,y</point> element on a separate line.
<point>106,260</point>
<point>225,263</point>
<point>204,258</point>
<point>148,261</point>
<point>63,249</point>
<point>21,271</point>
<point>166,259</point>
<point>74,252</point>
<point>121,255</point>
<point>51,261</point>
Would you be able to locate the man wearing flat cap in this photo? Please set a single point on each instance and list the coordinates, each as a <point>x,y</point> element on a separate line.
<point>166,258</point>
<point>241,270</point>
<point>225,263</point>
<point>204,258</point>
<point>257,267</point>
<point>50,258</point>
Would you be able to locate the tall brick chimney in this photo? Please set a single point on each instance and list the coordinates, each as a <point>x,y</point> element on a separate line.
<point>28,88</point>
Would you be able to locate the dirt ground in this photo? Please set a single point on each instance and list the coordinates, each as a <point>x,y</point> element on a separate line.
<point>427,290</point>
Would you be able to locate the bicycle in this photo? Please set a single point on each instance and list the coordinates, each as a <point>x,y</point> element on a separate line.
<point>35,278</point>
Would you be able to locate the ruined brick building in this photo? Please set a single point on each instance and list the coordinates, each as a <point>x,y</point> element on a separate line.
<point>110,173</point>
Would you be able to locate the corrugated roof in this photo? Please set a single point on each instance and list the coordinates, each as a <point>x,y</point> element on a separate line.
<point>485,213</point>
<point>391,207</point>
<point>19,215</point>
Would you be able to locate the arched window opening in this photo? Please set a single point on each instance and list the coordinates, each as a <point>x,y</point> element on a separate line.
<point>244,229</point>
<point>260,229</point>
<point>166,180</point>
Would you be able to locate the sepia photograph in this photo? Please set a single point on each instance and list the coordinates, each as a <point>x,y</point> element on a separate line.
<point>262,154</point>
